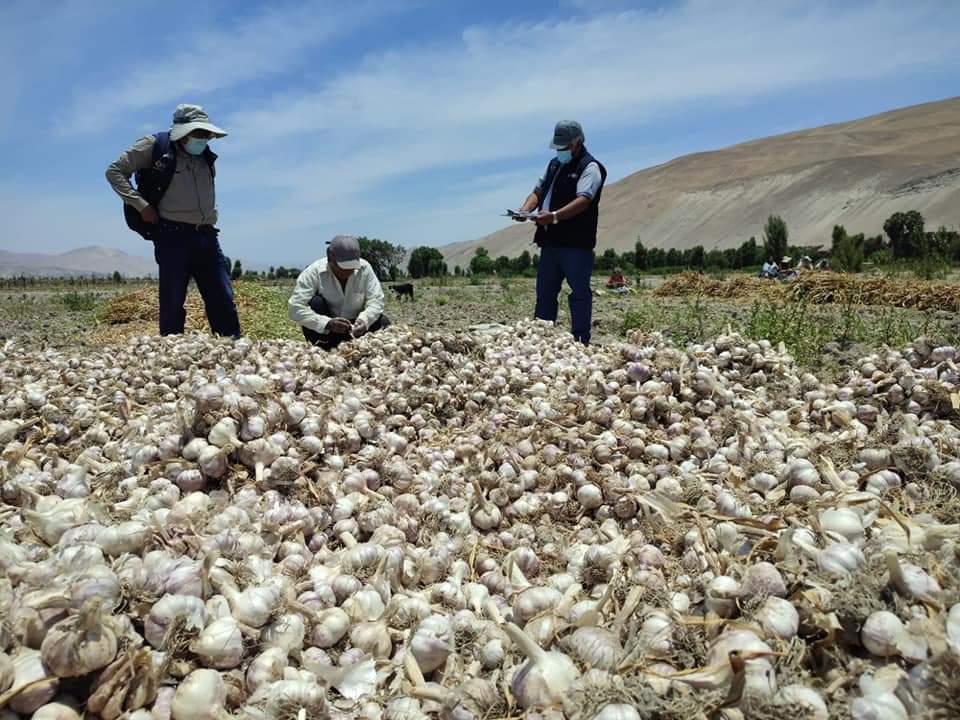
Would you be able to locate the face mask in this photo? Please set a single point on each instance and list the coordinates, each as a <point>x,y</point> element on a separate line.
<point>564,156</point>
<point>196,146</point>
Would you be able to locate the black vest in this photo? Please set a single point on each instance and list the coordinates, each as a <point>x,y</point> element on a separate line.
<point>580,231</point>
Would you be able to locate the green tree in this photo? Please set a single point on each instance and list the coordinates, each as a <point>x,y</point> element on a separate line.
<point>426,262</point>
<point>640,256</point>
<point>521,263</point>
<point>747,253</point>
<point>381,255</point>
<point>905,231</point>
<point>872,245</point>
<point>394,272</point>
<point>775,235</point>
<point>608,261</point>
<point>942,240</point>
<point>656,258</point>
<point>846,251</point>
<point>535,260</point>
<point>457,271</point>
<point>117,277</point>
<point>237,271</point>
<point>717,259</point>
<point>697,257</point>
<point>481,263</point>
<point>502,265</point>
<point>674,258</point>
<point>281,272</point>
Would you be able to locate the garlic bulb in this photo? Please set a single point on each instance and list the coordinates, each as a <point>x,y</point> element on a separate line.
<point>778,618</point>
<point>6,671</point>
<point>286,632</point>
<point>330,627</point>
<point>880,633</point>
<point>617,711</point>
<point>30,670</point>
<point>55,711</point>
<point>220,644</point>
<point>267,667</point>
<point>596,647</point>
<point>186,609</point>
<point>545,678</point>
<point>81,644</point>
<point>201,696</point>
<point>795,696</point>
<point>432,643</point>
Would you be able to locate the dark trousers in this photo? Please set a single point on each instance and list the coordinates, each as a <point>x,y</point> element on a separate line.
<point>575,265</point>
<point>318,303</point>
<point>182,253</point>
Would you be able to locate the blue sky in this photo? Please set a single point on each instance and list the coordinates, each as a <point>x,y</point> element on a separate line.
<point>420,121</point>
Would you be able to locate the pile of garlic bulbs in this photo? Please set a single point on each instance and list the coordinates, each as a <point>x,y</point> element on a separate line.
<point>476,526</point>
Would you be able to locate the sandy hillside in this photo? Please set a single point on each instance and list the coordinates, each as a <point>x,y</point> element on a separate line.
<point>854,173</point>
<point>93,260</point>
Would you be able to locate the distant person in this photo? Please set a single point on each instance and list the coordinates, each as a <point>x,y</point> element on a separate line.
<point>174,205</point>
<point>769,269</point>
<point>568,197</point>
<point>338,297</point>
<point>616,280</point>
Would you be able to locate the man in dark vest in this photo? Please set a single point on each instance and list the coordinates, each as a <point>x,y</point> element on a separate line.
<point>567,196</point>
<point>174,205</point>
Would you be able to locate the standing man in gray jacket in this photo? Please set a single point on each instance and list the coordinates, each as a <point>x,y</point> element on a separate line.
<point>176,201</point>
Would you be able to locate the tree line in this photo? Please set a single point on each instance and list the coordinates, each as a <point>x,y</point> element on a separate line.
<point>904,238</point>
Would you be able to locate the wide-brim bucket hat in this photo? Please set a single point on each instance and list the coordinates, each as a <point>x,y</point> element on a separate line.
<point>187,118</point>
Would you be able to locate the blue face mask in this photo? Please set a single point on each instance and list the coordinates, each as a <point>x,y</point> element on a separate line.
<point>564,156</point>
<point>196,146</point>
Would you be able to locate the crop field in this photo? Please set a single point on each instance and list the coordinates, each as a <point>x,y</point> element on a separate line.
<point>820,336</point>
<point>739,502</point>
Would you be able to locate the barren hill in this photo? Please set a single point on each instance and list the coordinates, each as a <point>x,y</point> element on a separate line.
<point>854,173</point>
<point>82,261</point>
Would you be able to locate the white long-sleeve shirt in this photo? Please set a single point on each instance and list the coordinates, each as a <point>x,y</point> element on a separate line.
<point>361,299</point>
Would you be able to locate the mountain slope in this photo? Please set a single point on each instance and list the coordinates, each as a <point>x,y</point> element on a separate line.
<point>82,261</point>
<point>854,173</point>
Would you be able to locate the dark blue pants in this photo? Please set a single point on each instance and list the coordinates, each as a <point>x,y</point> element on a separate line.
<point>182,254</point>
<point>575,265</point>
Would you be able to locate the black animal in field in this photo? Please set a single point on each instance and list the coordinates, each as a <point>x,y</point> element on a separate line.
<point>404,289</point>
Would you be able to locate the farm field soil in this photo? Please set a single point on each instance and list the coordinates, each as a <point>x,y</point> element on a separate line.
<point>822,337</point>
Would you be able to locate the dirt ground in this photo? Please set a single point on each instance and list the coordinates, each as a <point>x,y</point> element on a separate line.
<point>825,338</point>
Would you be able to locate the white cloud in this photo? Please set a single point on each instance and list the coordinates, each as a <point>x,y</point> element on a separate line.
<point>493,92</point>
<point>265,44</point>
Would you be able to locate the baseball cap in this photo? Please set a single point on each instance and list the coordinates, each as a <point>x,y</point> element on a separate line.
<point>344,250</point>
<point>565,133</point>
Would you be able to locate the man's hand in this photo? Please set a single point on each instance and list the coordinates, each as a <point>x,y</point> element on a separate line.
<point>545,218</point>
<point>149,215</point>
<point>339,326</point>
<point>359,328</point>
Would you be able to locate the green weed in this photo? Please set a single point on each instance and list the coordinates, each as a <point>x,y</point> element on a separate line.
<point>78,301</point>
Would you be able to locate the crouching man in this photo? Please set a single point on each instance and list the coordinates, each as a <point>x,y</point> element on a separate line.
<point>338,297</point>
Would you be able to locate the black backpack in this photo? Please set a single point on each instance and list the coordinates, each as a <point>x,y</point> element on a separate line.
<point>152,182</point>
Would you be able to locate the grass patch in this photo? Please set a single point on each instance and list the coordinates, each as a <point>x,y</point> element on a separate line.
<point>78,301</point>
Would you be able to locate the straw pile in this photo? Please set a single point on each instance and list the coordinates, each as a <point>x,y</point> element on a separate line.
<point>732,288</point>
<point>821,288</point>
<point>262,313</point>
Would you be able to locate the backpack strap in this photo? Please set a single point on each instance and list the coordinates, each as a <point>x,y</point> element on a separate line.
<point>152,182</point>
